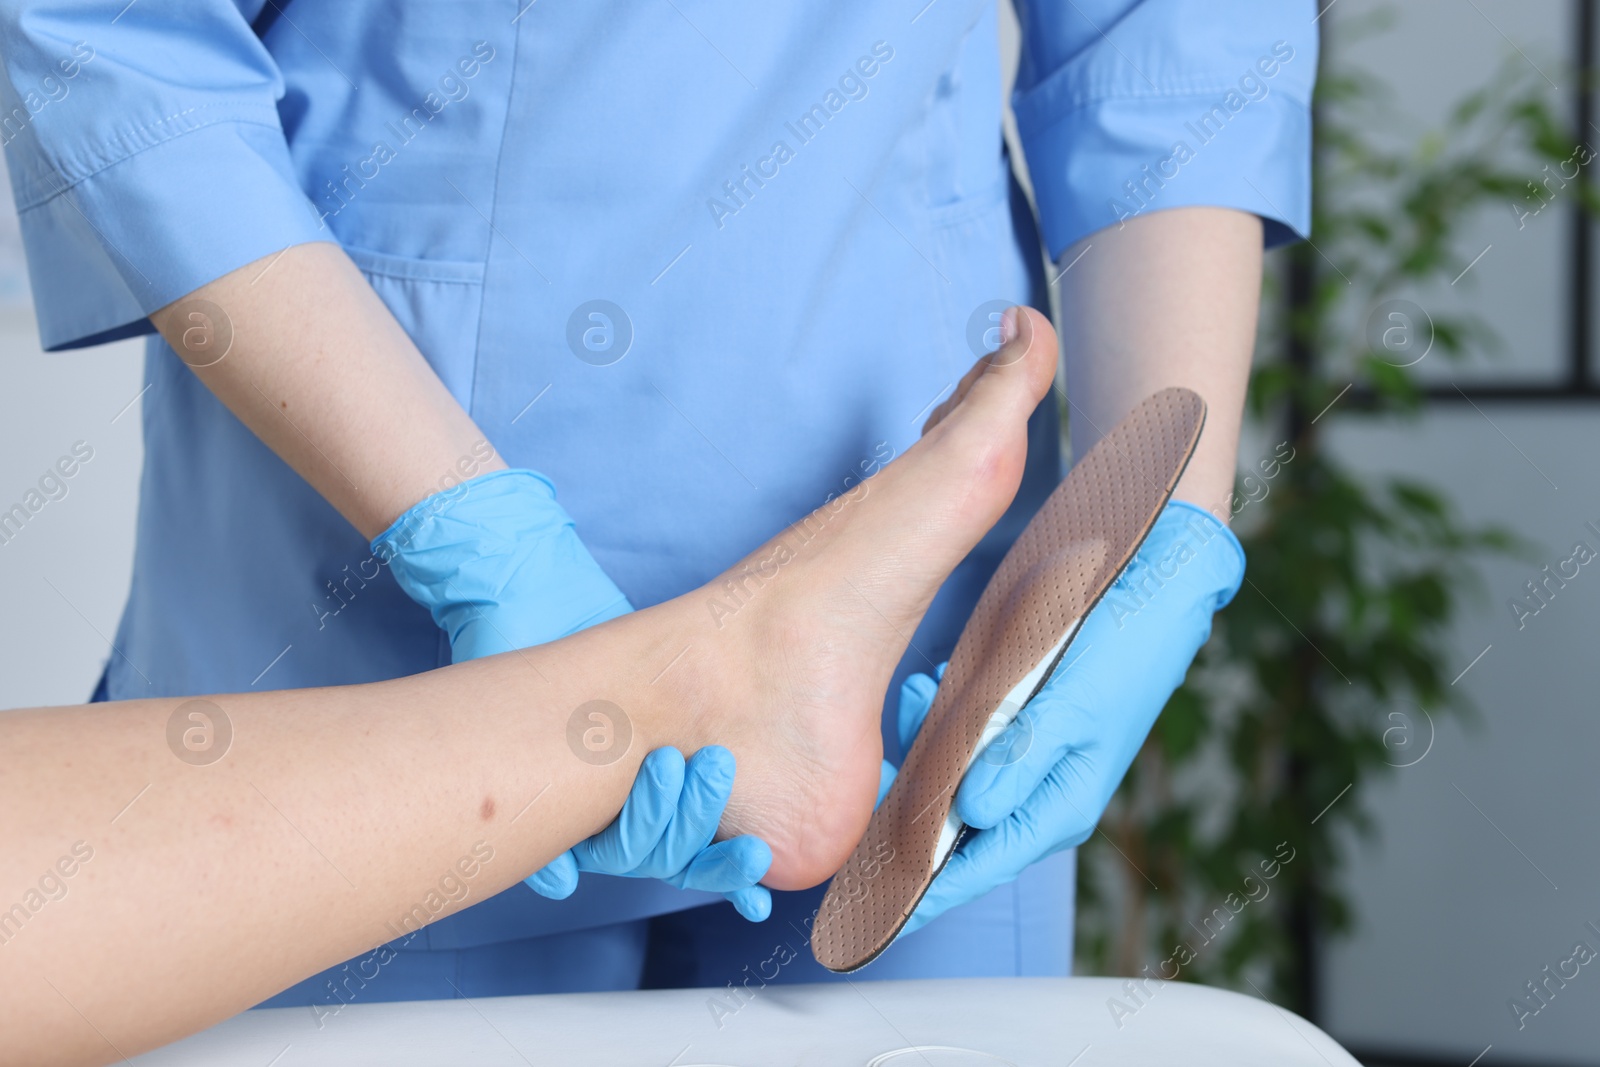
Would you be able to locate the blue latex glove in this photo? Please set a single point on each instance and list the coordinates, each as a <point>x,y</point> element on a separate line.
<point>498,563</point>
<point>1042,785</point>
<point>665,829</point>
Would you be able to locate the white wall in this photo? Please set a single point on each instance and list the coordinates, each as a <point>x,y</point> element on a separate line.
<point>64,575</point>
<point>1459,907</point>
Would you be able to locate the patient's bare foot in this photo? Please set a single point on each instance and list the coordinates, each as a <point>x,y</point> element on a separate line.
<point>792,669</point>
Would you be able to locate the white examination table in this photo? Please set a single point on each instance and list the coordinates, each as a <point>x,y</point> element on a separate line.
<point>946,1023</point>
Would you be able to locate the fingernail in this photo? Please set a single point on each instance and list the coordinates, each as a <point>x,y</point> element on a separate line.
<point>1008,325</point>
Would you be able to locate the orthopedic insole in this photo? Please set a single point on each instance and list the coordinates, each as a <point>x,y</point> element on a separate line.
<point>1083,537</point>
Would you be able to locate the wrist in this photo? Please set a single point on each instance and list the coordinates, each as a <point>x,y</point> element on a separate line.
<point>1195,545</point>
<point>1209,480</point>
<point>430,546</point>
<point>498,563</point>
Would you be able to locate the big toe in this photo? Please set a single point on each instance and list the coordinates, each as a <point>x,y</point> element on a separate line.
<point>1018,373</point>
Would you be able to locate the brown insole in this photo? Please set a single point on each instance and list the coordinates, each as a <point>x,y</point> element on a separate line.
<point>1083,537</point>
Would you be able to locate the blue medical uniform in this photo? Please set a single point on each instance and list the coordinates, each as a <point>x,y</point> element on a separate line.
<point>802,223</point>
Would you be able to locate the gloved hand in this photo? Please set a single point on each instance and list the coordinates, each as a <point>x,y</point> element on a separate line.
<point>664,830</point>
<point>1042,785</point>
<point>498,563</point>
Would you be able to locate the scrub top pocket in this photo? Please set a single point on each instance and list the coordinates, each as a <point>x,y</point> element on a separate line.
<point>438,303</point>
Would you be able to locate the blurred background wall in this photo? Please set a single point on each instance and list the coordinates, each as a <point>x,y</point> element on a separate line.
<point>1485,865</point>
<point>64,574</point>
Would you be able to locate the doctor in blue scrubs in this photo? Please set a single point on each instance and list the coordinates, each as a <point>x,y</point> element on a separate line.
<point>407,267</point>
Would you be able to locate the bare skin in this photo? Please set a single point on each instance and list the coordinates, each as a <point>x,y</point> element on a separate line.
<point>320,370</point>
<point>334,815</point>
<point>1168,298</point>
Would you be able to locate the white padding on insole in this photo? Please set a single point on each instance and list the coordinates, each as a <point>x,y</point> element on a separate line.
<point>999,719</point>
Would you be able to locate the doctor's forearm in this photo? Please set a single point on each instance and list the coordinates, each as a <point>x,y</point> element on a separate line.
<point>1168,298</point>
<point>320,370</point>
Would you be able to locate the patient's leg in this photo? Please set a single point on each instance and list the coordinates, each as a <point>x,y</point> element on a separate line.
<point>338,819</point>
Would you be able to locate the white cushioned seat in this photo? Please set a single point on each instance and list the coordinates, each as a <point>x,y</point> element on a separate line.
<point>945,1023</point>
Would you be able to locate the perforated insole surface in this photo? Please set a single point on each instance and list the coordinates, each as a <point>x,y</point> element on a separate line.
<point>1081,539</point>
